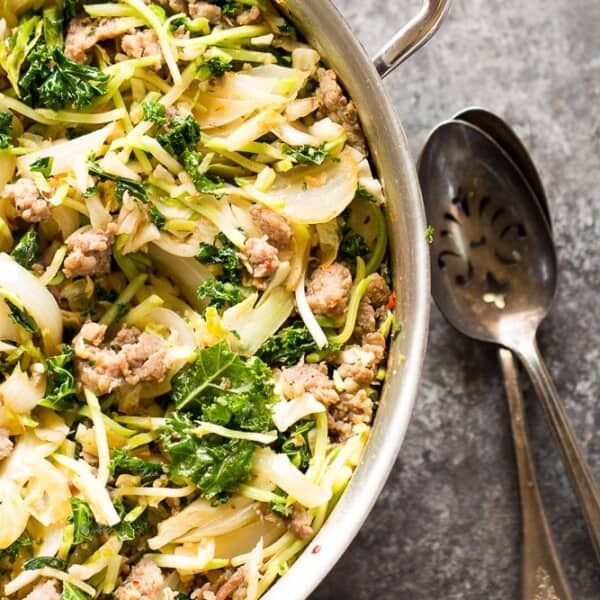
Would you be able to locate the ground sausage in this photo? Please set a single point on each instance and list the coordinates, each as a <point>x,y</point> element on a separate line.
<point>249,16</point>
<point>44,591</point>
<point>372,306</point>
<point>231,584</point>
<point>300,523</point>
<point>275,226</point>
<point>29,203</point>
<point>311,378</point>
<point>262,257</point>
<point>131,358</point>
<point>334,104</point>
<point>351,410</point>
<point>176,6</point>
<point>145,582</point>
<point>84,33</point>
<point>88,253</point>
<point>209,11</point>
<point>328,289</point>
<point>359,363</point>
<point>142,43</point>
<point>6,445</point>
<point>378,291</point>
<point>366,321</point>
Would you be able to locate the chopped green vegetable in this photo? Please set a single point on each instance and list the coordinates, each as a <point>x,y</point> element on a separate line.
<point>307,155</point>
<point>54,81</point>
<point>85,527</point>
<point>20,317</point>
<point>288,346</point>
<point>61,391</point>
<point>225,254</point>
<point>123,184</point>
<point>157,217</point>
<point>39,562</point>
<point>72,592</point>
<point>154,112</point>
<point>6,129</point>
<point>203,183</point>
<point>226,389</point>
<point>219,293</point>
<point>217,66</point>
<point>128,530</point>
<point>363,194</point>
<point>214,464</point>
<point>123,462</point>
<point>27,250</point>
<point>429,233</point>
<point>181,133</point>
<point>353,246</point>
<point>23,543</point>
<point>14,50</point>
<point>294,443</point>
<point>53,27</point>
<point>42,165</point>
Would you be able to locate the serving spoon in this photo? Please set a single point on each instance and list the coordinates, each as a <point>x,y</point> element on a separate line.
<point>494,277</point>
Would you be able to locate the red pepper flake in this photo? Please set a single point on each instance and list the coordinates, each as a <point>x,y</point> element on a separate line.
<point>391,303</point>
<point>316,550</point>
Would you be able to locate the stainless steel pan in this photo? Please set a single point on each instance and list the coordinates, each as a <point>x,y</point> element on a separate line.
<point>323,26</point>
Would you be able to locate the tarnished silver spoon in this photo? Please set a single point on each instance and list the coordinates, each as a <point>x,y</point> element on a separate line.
<point>494,270</point>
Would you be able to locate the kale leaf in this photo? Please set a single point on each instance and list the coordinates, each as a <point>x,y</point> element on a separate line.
<point>214,464</point>
<point>294,443</point>
<point>220,293</point>
<point>6,129</point>
<point>20,317</point>
<point>23,543</point>
<point>61,391</point>
<point>154,112</point>
<point>123,462</point>
<point>288,345</point>
<point>27,250</point>
<point>72,592</point>
<point>157,217</point>
<point>217,66</point>
<point>123,184</point>
<point>42,165</point>
<point>39,562</point>
<point>225,388</point>
<point>85,527</point>
<point>128,530</point>
<point>352,246</point>
<point>204,183</point>
<point>181,133</point>
<point>54,81</point>
<point>307,155</point>
<point>225,254</point>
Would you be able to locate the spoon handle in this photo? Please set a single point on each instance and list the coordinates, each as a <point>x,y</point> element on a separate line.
<point>542,575</point>
<point>583,483</point>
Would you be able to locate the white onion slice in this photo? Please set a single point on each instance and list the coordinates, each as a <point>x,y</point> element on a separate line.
<point>286,413</point>
<point>308,316</point>
<point>37,300</point>
<point>253,571</point>
<point>20,393</point>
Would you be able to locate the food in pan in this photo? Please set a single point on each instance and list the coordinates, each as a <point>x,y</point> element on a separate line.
<point>195,303</point>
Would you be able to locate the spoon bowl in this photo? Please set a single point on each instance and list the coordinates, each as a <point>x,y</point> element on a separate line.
<point>492,258</point>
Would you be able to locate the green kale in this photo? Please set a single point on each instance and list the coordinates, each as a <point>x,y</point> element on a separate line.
<point>203,183</point>
<point>429,234</point>
<point>21,318</point>
<point>182,133</point>
<point>154,112</point>
<point>123,184</point>
<point>27,250</point>
<point>128,530</point>
<point>220,293</point>
<point>157,217</point>
<point>42,165</point>
<point>6,129</point>
<point>53,27</point>
<point>39,562</point>
<point>217,66</point>
<point>85,527</point>
<point>353,246</point>
<point>230,8</point>
<point>294,443</point>
<point>363,194</point>
<point>72,592</point>
<point>226,389</point>
<point>61,391</point>
<point>307,155</point>
<point>225,254</point>
<point>288,346</point>
<point>123,462</point>
<point>54,81</point>
<point>212,463</point>
<point>23,543</point>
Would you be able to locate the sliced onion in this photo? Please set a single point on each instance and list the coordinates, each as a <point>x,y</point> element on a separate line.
<point>8,330</point>
<point>253,571</point>
<point>46,507</point>
<point>37,300</point>
<point>294,136</point>
<point>20,392</point>
<point>279,470</point>
<point>308,316</point>
<point>180,331</point>
<point>13,513</point>
<point>184,560</point>
<point>326,130</point>
<point>228,523</point>
<point>286,413</point>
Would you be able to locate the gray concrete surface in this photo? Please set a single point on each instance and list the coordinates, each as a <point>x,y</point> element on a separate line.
<point>447,524</point>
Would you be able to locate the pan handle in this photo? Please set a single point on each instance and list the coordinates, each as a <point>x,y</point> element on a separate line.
<point>412,36</point>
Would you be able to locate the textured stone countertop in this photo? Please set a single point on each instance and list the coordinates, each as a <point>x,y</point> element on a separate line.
<point>447,524</point>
